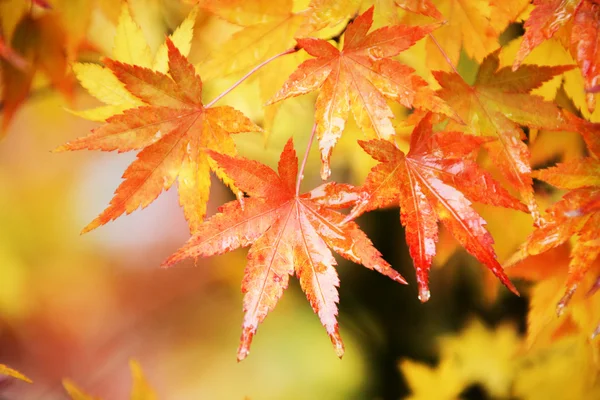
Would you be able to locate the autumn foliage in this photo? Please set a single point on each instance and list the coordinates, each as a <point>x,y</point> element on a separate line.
<point>452,102</point>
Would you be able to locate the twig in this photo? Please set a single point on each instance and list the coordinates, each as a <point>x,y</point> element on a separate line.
<point>252,71</point>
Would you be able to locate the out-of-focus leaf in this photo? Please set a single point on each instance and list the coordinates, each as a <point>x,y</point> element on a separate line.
<point>4,370</point>
<point>473,26</point>
<point>41,44</point>
<point>571,217</point>
<point>462,360</point>
<point>566,370</point>
<point>75,393</point>
<point>140,389</point>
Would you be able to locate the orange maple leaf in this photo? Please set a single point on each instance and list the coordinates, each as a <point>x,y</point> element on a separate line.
<point>549,270</point>
<point>435,181</point>
<point>576,22</point>
<point>289,233</point>
<point>37,44</point>
<point>575,215</point>
<point>585,40</point>
<point>496,105</point>
<point>174,131</point>
<point>360,77</point>
<point>545,20</point>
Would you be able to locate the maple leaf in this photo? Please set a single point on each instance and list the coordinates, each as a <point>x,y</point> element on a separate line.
<point>545,20</point>
<point>573,216</point>
<point>473,26</point>
<point>434,181</point>
<point>140,389</point>
<point>462,356</point>
<point>174,130</point>
<point>359,77</point>
<point>496,105</point>
<point>576,23</point>
<point>548,271</point>
<point>269,29</point>
<point>10,55</point>
<point>40,43</point>
<point>130,47</point>
<point>495,360</point>
<point>4,370</point>
<point>585,39</point>
<point>334,12</point>
<point>290,234</point>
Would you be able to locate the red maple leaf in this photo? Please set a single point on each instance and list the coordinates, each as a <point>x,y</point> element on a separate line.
<point>435,181</point>
<point>360,77</point>
<point>290,234</point>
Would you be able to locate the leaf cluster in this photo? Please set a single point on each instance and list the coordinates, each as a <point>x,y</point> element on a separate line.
<point>154,104</point>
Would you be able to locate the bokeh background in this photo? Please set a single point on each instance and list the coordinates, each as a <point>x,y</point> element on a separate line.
<point>80,307</point>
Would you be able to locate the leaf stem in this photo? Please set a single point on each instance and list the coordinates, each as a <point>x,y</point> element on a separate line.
<point>303,165</point>
<point>444,54</point>
<point>252,71</point>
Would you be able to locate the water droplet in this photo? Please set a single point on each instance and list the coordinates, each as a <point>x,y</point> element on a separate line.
<point>424,294</point>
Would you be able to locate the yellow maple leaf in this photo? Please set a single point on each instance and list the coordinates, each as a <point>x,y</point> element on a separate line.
<point>550,270</point>
<point>566,370</point>
<point>140,390</point>
<point>497,361</point>
<point>4,370</point>
<point>477,355</point>
<point>130,47</point>
<point>551,52</point>
<point>75,392</point>
<point>473,26</point>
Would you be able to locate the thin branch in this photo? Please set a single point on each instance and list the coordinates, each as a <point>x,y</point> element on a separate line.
<point>252,71</point>
<point>303,165</point>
